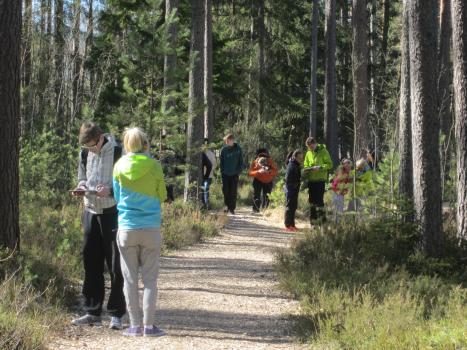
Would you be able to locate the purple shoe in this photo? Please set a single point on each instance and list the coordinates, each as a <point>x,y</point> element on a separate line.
<point>133,332</point>
<point>153,332</point>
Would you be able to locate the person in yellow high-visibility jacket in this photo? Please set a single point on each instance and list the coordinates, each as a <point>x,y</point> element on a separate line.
<point>317,166</point>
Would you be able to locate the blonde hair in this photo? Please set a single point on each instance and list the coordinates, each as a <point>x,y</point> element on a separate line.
<point>360,163</point>
<point>134,140</point>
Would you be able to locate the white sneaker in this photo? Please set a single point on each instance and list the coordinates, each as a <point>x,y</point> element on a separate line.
<point>87,320</point>
<point>116,323</point>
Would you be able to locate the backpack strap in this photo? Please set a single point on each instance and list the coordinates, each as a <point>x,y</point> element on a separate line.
<point>84,158</point>
<point>118,150</point>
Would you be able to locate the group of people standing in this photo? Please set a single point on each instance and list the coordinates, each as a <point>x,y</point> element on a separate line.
<point>123,189</point>
<point>317,165</point>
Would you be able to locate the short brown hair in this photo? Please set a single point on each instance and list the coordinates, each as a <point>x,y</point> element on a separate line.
<point>88,132</point>
<point>310,141</point>
<point>228,137</point>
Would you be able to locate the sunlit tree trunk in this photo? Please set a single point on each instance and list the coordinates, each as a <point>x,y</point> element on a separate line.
<point>425,124</point>
<point>459,36</point>
<point>195,131</point>
<point>360,76</point>
<point>314,66</point>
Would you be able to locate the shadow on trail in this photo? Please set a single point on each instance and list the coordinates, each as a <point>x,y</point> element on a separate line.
<point>235,326</point>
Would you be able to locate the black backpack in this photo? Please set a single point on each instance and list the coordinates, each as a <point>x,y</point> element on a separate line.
<point>118,150</point>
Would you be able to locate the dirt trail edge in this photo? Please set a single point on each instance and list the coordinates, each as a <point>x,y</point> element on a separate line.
<point>221,294</point>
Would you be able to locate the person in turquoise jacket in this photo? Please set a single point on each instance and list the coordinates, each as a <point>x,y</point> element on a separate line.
<point>317,166</point>
<point>139,190</point>
<point>231,165</point>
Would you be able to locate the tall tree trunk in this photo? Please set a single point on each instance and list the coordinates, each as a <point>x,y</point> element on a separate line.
<point>344,76</point>
<point>425,124</point>
<point>249,102</point>
<point>10,80</point>
<point>195,131</point>
<point>330,114</point>
<point>90,41</point>
<point>444,87</point>
<point>372,66</point>
<point>27,43</point>
<point>208,105</point>
<point>314,68</point>
<point>385,36</point>
<point>405,126</point>
<point>170,58</point>
<point>459,39</point>
<point>59,43</point>
<point>26,59</point>
<point>360,76</point>
<point>261,34</point>
<point>76,76</point>
<point>445,67</point>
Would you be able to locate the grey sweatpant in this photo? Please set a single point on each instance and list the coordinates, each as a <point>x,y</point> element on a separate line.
<point>140,248</point>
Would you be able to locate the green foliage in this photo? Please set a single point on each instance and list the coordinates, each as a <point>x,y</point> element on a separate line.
<point>48,167</point>
<point>366,285</point>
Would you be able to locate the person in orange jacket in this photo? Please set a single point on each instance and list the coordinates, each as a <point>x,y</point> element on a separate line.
<point>264,170</point>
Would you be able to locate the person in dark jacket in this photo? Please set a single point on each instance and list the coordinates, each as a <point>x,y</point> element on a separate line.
<point>292,189</point>
<point>231,165</point>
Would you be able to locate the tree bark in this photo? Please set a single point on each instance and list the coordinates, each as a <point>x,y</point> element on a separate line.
<point>330,114</point>
<point>26,68</point>
<point>405,125</point>
<point>10,80</point>
<point>314,66</point>
<point>249,102</point>
<point>208,103</point>
<point>90,41</point>
<point>459,36</point>
<point>385,36</point>
<point>425,124</point>
<point>195,130</point>
<point>59,43</point>
<point>27,43</point>
<point>170,57</point>
<point>372,67</point>
<point>76,75</point>
<point>445,68</point>
<point>360,76</point>
<point>261,34</point>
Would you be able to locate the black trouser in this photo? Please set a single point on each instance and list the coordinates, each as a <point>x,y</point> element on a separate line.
<point>229,189</point>
<point>100,247</point>
<point>316,200</point>
<point>291,203</point>
<point>258,199</point>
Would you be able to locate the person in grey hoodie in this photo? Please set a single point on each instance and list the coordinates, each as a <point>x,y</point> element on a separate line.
<point>100,223</point>
<point>231,165</point>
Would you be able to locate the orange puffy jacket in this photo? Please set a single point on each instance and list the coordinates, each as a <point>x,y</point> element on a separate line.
<point>265,177</point>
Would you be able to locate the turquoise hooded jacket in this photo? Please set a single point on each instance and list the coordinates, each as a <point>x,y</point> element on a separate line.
<point>139,190</point>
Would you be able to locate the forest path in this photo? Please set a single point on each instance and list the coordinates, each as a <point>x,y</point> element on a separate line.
<point>220,294</point>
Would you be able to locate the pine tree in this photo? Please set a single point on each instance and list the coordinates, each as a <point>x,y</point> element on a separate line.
<point>459,36</point>
<point>10,80</point>
<point>425,124</point>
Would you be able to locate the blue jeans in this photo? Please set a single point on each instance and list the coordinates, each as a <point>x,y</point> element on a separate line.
<point>206,186</point>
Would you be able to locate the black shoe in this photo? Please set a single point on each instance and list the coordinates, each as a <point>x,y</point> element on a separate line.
<point>232,212</point>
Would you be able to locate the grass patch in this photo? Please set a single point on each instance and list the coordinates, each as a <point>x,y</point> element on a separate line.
<point>365,285</point>
<point>183,225</point>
